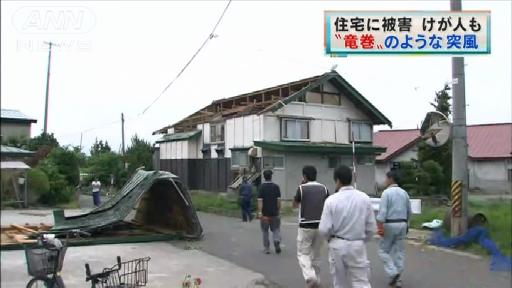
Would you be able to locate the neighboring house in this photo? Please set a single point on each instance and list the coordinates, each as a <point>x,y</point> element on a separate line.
<point>489,149</point>
<point>15,124</point>
<point>307,122</point>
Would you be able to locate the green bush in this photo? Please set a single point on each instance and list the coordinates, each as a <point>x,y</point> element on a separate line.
<point>38,184</point>
<point>60,190</point>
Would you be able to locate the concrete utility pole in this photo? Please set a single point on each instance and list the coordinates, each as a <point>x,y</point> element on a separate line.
<point>460,173</point>
<point>45,128</point>
<point>122,132</point>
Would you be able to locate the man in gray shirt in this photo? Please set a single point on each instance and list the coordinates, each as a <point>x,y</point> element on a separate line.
<point>348,222</point>
<point>393,218</point>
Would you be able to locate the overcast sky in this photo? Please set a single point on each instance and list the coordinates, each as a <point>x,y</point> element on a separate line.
<point>122,54</point>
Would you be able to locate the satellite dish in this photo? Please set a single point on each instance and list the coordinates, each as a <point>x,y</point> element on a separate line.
<point>435,129</point>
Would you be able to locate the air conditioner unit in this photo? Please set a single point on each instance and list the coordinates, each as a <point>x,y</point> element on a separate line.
<point>255,152</point>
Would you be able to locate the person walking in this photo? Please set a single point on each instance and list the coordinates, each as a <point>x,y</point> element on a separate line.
<point>96,190</point>
<point>269,206</point>
<point>393,222</point>
<point>310,197</point>
<point>347,223</point>
<point>246,200</point>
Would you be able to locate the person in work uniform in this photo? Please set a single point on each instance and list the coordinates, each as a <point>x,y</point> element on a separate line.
<point>246,199</point>
<point>393,222</point>
<point>269,206</point>
<point>348,222</point>
<point>311,197</point>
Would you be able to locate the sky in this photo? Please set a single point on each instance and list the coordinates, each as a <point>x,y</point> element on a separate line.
<point>118,56</point>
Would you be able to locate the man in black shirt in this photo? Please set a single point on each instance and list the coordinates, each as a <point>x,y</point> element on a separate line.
<point>310,197</point>
<point>269,205</point>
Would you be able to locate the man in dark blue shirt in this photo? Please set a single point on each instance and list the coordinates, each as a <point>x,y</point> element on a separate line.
<point>269,205</point>
<point>246,199</point>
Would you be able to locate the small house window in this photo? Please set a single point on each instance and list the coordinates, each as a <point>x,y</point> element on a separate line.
<point>270,162</point>
<point>217,133</point>
<point>239,158</point>
<point>361,131</point>
<point>295,129</point>
<point>335,161</point>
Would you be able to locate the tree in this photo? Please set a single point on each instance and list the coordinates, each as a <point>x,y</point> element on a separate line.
<point>138,154</point>
<point>443,154</point>
<point>105,165</point>
<point>67,163</point>
<point>43,140</point>
<point>99,147</point>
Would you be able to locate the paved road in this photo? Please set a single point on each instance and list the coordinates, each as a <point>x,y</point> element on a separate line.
<point>240,243</point>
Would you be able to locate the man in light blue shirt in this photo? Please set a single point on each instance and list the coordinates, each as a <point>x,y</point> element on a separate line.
<point>393,222</point>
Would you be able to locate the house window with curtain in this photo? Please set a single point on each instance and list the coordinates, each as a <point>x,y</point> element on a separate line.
<point>217,133</point>
<point>361,131</point>
<point>239,158</point>
<point>295,129</point>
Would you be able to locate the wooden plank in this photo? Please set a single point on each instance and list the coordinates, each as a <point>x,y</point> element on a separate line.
<point>23,229</point>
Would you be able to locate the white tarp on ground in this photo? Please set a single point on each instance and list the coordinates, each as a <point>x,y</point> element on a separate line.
<point>14,165</point>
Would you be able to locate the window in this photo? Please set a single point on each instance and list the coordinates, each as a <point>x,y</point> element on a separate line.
<point>295,129</point>
<point>361,131</point>
<point>270,162</point>
<point>239,158</point>
<point>217,133</point>
<point>335,161</point>
<point>509,174</point>
<point>365,160</point>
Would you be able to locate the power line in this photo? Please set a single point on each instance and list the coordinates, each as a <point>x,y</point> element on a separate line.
<point>210,36</point>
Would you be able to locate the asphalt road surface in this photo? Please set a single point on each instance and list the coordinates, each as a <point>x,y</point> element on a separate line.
<point>240,243</point>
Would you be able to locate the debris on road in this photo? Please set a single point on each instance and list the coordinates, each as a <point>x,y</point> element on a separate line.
<point>152,206</point>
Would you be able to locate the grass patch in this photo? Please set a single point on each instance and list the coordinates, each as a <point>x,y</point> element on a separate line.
<point>498,213</point>
<point>225,204</point>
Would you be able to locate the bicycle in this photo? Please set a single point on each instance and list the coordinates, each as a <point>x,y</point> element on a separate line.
<point>46,259</point>
<point>129,274</point>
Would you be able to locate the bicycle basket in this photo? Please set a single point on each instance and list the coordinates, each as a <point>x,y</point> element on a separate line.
<point>42,261</point>
<point>134,273</point>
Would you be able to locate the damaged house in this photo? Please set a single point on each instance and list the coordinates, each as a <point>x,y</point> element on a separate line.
<point>311,121</point>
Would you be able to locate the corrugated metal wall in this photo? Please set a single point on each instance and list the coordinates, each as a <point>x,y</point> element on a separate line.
<point>201,174</point>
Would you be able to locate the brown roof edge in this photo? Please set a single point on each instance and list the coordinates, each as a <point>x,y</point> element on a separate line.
<point>301,81</point>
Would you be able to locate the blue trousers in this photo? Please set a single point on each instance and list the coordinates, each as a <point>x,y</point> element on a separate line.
<point>96,198</point>
<point>392,248</point>
<point>246,210</point>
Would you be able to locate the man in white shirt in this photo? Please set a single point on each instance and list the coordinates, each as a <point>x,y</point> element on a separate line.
<point>348,223</point>
<point>393,217</point>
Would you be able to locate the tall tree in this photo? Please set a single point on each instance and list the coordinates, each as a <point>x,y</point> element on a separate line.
<point>138,154</point>
<point>443,154</point>
<point>99,148</point>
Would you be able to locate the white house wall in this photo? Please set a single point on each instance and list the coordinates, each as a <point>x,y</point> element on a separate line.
<point>330,124</point>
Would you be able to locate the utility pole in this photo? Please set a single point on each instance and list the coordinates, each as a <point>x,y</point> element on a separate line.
<point>45,128</point>
<point>460,173</point>
<point>122,132</point>
<point>81,141</point>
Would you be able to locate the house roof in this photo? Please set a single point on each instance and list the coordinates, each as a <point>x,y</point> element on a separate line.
<point>396,142</point>
<point>485,141</point>
<point>179,136</point>
<point>13,165</point>
<point>15,115</point>
<point>309,147</point>
<point>272,99</point>
<point>8,150</point>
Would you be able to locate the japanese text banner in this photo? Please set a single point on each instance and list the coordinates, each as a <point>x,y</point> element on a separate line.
<point>407,32</point>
